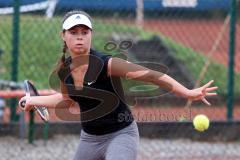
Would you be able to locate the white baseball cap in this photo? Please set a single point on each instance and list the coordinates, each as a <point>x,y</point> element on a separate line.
<point>76,19</point>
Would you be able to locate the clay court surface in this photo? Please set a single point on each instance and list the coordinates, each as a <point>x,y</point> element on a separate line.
<point>199,35</point>
<point>146,114</point>
<point>151,113</point>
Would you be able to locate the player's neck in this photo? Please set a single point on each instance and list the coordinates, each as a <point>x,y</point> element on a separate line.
<point>74,55</point>
<point>79,60</point>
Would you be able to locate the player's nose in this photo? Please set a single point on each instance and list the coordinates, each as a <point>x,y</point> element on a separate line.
<point>79,37</point>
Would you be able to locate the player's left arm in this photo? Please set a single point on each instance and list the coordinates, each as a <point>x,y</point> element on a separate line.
<point>122,68</point>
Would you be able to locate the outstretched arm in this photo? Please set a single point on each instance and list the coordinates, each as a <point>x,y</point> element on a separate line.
<point>123,68</point>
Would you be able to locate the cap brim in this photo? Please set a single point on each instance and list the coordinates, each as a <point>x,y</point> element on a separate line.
<point>76,19</point>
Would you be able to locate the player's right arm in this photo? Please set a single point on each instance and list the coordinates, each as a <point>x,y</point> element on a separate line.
<point>57,100</point>
<point>122,68</point>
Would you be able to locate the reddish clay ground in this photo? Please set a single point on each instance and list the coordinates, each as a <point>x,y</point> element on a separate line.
<point>149,114</point>
<point>199,35</point>
<point>141,113</point>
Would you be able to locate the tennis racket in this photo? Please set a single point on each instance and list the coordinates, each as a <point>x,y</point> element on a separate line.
<point>30,90</point>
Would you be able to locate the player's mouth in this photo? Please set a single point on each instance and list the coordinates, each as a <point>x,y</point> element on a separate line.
<point>79,45</point>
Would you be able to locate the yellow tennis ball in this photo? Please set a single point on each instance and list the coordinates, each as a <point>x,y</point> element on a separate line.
<point>201,122</point>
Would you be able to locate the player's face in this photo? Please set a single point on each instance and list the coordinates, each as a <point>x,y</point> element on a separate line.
<point>78,39</point>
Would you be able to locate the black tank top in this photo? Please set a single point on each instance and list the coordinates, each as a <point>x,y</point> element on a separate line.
<point>101,99</point>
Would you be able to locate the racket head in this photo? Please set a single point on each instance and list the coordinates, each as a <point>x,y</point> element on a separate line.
<point>31,90</point>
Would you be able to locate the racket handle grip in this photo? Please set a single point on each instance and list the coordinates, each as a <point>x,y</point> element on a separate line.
<point>22,104</point>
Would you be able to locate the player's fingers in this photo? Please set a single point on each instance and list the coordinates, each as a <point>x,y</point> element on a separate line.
<point>22,102</point>
<point>211,94</point>
<point>208,84</point>
<point>24,106</point>
<point>205,101</point>
<point>27,108</point>
<point>211,89</point>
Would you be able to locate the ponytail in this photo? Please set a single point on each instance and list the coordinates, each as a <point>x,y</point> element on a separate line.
<point>61,61</point>
<point>64,50</point>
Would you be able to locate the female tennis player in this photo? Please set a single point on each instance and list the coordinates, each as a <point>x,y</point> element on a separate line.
<point>92,80</point>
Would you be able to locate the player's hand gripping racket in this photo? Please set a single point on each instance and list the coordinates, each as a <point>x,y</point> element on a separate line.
<point>30,90</point>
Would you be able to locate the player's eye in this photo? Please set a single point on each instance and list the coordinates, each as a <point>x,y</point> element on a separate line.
<point>73,32</point>
<point>84,32</point>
